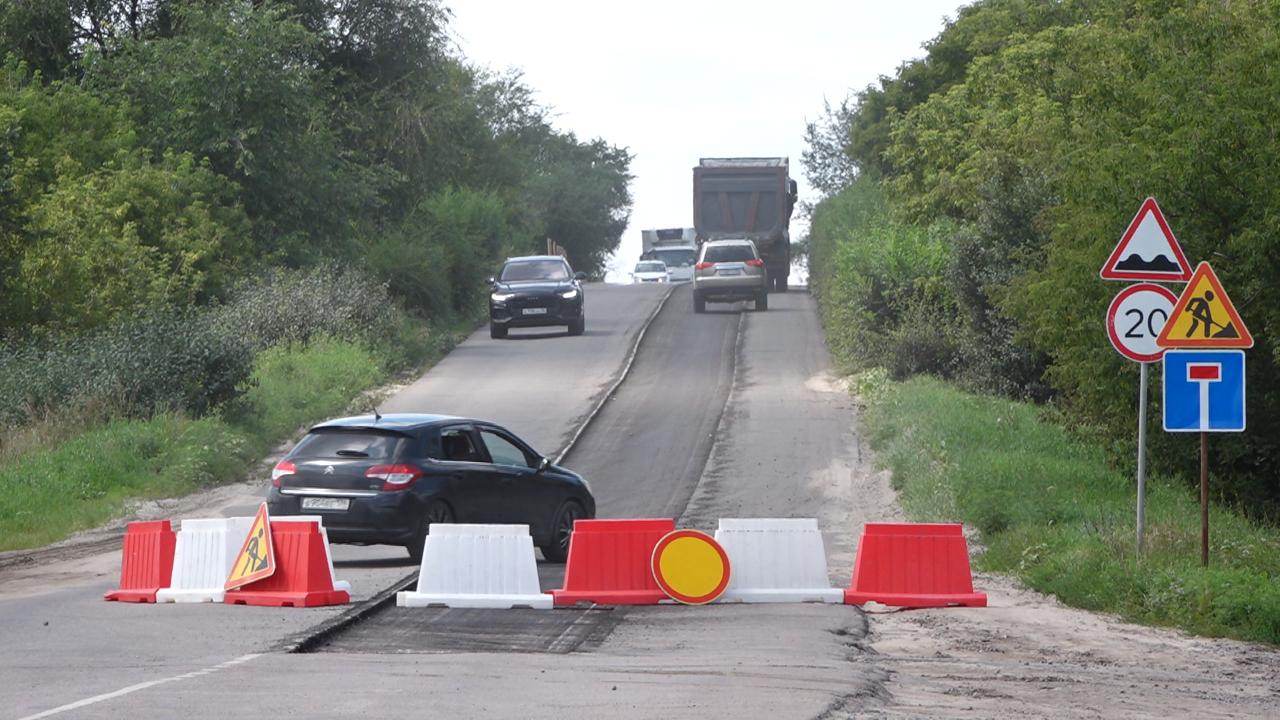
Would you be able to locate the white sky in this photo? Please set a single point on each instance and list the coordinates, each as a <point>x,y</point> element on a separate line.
<point>673,81</point>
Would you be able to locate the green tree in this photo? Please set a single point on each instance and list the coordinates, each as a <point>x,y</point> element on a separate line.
<point>580,194</point>
<point>38,33</point>
<point>238,83</point>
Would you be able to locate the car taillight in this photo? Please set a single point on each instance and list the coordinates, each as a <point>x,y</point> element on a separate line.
<point>282,468</point>
<point>394,477</point>
<point>704,265</point>
<point>755,263</point>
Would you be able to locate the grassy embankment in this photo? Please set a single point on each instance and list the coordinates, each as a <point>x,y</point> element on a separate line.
<point>63,475</point>
<point>1051,512</point>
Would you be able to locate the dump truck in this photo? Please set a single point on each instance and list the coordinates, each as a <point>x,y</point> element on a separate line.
<point>677,247</point>
<point>747,198</point>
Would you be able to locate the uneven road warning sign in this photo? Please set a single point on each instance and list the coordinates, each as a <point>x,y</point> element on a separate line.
<point>257,557</point>
<point>691,567</point>
<point>1204,317</point>
<point>1147,250</point>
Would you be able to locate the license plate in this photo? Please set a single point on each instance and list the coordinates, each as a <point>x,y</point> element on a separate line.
<point>535,311</point>
<point>729,271</point>
<point>325,503</point>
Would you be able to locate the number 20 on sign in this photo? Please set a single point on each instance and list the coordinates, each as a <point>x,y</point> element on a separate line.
<point>1135,319</point>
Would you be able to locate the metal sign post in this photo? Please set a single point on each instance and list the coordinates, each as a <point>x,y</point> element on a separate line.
<point>1134,321</point>
<point>1142,456</point>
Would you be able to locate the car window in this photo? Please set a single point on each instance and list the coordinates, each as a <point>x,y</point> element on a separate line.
<point>650,267</point>
<point>675,257</point>
<point>503,451</point>
<point>458,445</point>
<point>535,270</point>
<point>344,443</point>
<point>728,253</point>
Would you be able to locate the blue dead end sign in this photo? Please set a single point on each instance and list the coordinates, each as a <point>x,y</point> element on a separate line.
<point>1204,391</point>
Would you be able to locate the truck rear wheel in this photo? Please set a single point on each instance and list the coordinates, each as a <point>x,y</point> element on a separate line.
<point>780,284</point>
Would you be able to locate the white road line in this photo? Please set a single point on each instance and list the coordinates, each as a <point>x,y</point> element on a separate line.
<point>139,686</point>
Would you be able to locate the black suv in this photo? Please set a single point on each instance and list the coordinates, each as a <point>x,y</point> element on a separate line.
<point>383,479</point>
<point>536,291</point>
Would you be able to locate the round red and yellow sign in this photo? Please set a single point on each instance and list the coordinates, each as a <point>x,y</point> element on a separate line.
<point>690,566</point>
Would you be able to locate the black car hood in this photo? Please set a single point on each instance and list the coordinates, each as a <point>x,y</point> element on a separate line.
<point>540,287</point>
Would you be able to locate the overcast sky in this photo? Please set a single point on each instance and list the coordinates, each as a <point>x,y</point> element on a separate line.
<point>676,80</point>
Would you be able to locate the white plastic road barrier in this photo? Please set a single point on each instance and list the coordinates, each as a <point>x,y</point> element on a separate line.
<point>776,560</point>
<point>205,550</point>
<point>337,584</point>
<point>478,566</point>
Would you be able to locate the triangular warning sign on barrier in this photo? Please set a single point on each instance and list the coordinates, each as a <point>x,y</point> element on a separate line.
<point>257,557</point>
<point>1204,317</point>
<point>1147,250</point>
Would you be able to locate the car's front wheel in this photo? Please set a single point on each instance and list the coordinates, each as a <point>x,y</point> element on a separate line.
<point>437,512</point>
<point>497,332</point>
<point>578,325</point>
<point>556,550</point>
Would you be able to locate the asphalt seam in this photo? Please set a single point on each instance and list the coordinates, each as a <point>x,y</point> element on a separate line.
<point>631,358</point>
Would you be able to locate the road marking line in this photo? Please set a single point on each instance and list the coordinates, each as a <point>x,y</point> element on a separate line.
<point>140,686</point>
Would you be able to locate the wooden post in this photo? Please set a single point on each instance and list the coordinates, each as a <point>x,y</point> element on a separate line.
<point>1204,499</point>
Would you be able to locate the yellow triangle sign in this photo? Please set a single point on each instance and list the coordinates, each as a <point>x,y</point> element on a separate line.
<point>257,557</point>
<point>1204,317</point>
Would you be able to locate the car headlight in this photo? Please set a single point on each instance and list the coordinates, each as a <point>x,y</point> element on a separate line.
<point>500,298</point>
<point>569,294</point>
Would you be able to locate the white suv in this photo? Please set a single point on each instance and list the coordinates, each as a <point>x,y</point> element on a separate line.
<point>728,271</point>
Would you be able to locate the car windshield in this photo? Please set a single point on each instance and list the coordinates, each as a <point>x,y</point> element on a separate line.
<point>675,257</point>
<point>534,270</point>
<point>342,443</point>
<point>650,267</point>
<point>728,253</point>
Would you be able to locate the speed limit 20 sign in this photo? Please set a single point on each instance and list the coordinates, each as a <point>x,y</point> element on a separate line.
<point>1135,319</point>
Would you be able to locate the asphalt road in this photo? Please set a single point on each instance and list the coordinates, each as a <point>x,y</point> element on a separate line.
<point>693,417</point>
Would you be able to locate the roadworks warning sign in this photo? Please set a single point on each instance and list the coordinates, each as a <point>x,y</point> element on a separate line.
<point>1204,317</point>
<point>257,558</point>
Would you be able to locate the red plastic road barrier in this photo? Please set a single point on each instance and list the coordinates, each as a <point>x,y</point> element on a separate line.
<point>302,577</point>
<point>147,564</point>
<point>609,562</point>
<point>913,565</point>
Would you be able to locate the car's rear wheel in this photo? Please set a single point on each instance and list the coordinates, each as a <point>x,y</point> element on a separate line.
<point>556,550</point>
<point>762,300</point>
<point>437,512</point>
<point>497,332</point>
<point>578,325</point>
<point>699,303</point>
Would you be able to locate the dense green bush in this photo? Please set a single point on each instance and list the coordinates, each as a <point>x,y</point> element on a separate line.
<point>195,361</point>
<point>173,360</point>
<point>291,306</point>
<point>880,284</point>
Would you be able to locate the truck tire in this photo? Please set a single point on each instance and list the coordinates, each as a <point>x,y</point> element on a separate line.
<point>762,301</point>
<point>780,283</point>
<point>699,303</point>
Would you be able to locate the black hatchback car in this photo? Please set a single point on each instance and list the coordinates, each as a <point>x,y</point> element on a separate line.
<point>536,291</point>
<point>383,479</point>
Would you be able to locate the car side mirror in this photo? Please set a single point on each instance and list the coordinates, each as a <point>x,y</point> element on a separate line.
<point>579,275</point>
<point>543,464</point>
<point>492,280</point>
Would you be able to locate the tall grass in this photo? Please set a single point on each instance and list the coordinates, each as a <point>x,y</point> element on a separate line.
<point>1051,511</point>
